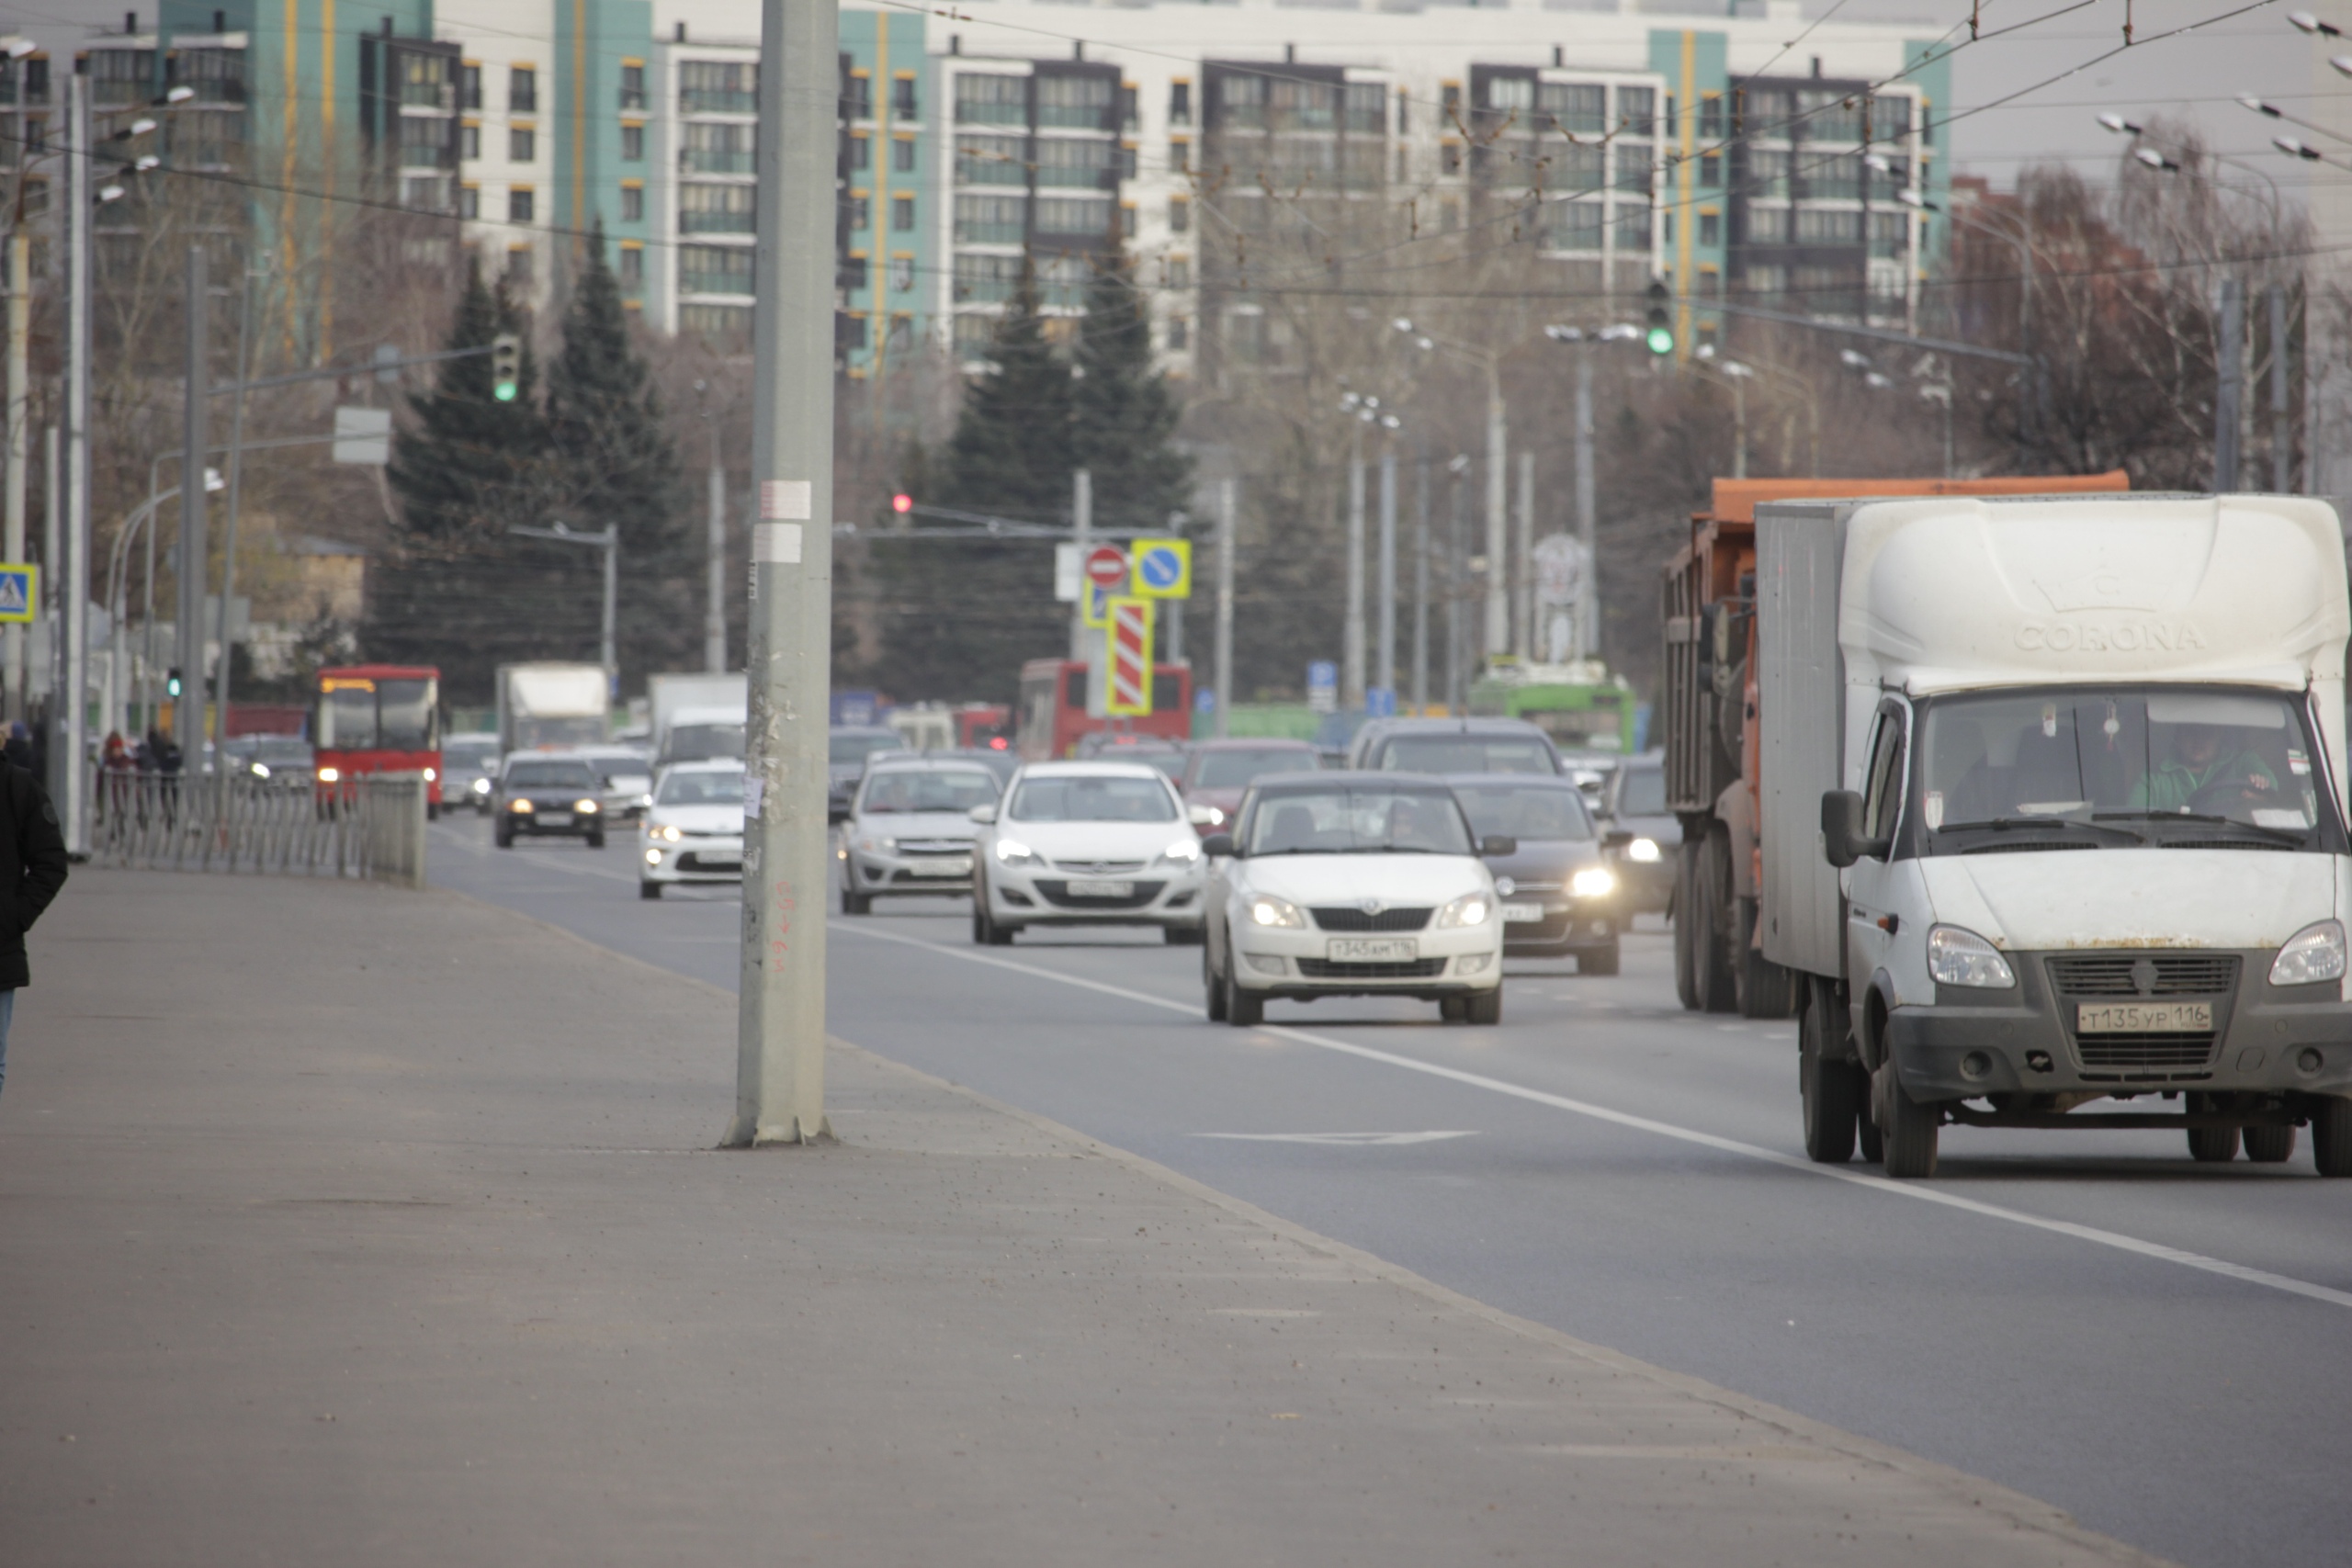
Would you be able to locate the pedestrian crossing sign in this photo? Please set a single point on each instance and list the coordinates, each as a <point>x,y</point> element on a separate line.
<point>20,593</point>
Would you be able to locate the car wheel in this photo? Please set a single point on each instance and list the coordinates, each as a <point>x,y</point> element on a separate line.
<point>1600,962</point>
<point>432,809</point>
<point>2331,1134</point>
<point>2269,1145</point>
<point>1212,987</point>
<point>1450,1009</point>
<point>983,928</point>
<point>648,889</point>
<point>856,902</point>
<point>1483,1006</point>
<point>596,840</point>
<point>1243,1008</point>
<point>503,836</point>
<point>2213,1145</point>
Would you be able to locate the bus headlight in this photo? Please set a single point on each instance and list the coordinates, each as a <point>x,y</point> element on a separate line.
<point>430,775</point>
<point>329,775</point>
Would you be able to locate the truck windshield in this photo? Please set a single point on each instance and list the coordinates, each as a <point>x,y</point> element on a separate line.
<point>546,734</point>
<point>2203,767</point>
<point>700,743</point>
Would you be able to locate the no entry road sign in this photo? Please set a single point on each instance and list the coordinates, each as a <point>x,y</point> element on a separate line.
<point>1106,566</point>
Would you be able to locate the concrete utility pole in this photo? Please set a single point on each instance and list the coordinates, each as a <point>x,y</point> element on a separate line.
<point>1081,529</point>
<point>20,319</point>
<point>1384,668</point>
<point>1351,652</point>
<point>68,776</point>
<point>714,613</point>
<point>52,554</point>
<point>188,718</point>
<point>1421,582</point>
<point>1225,533</point>
<point>2230,396</point>
<point>1587,515</point>
<point>1454,696</point>
<point>1526,557</point>
<point>1497,523</point>
<point>221,685</point>
<point>780,1035</point>
<point>2282,442</point>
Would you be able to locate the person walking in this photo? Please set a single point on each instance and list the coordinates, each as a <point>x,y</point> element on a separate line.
<point>33,868</point>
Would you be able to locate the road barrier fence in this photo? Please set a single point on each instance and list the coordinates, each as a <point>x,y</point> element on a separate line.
<point>371,826</point>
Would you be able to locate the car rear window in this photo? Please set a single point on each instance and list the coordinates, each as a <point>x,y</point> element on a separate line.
<point>1465,754</point>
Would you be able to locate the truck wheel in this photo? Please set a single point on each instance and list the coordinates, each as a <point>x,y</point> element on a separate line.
<point>1831,1089</point>
<point>1603,961</point>
<point>1686,969</point>
<point>1243,1008</point>
<point>2331,1134</point>
<point>1710,912</point>
<point>1908,1128</point>
<point>2269,1145</point>
<point>1484,1006</point>
<point>1766,989</point>
<point>2213,1145</point>
<point>1213,986</point>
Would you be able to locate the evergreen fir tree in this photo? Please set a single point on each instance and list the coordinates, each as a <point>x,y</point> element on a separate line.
<point>618,464</point>
<point>1124,417</point>
<point>1011,453</point>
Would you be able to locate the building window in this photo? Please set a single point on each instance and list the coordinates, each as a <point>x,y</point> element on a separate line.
<point>718,87</point>
<point>632,207</point>
<point>470,86</point>
<point>851,274</point>
<point>724,327</point>
<point>522,144</point>
<point>632,86</point>
<point>1179,274</point>
<point>1180,155</point>
<point>852,333</point>
<point>1710,170</point>
<point>1180,335</point>
<point>1450,102</point>
<point>1449,157</point>
<point>902,214</point>
<point>860,154</point>
<point>1179,103</point>
<point>902,272</point>
<point>519,205</point>
<point>714,269</point>
<point>902,97</point>
<point>633,143</point>
<point>632,271</point>
<point>1128,221</point>
<point>1179,215</point>
<point>858,96</point>
<point>470,201</point>
<point>1711,116</point>
<point>992,99</point>
<point>860,211</point>
<point>717,209</point>
<point>902,334</point>
<point>522,90</point>
<point>469,141</point>
<point>902,156</point>
<point>1711,229</point>
<point>518,264</point>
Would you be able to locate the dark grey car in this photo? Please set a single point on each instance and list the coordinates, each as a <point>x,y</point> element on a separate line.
<point>1636,805</point>
<point>1454,745</point>
<point>1562,893</point>
<point>847,748</point>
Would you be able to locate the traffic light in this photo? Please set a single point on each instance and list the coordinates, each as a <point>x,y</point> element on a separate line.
<point>902,504</point>
<point>1660,334</point>
<point>505,366</point>
<point>172,682</point>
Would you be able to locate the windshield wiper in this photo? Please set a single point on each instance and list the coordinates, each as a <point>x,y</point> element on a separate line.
<point>2005,824</point>
<point>2295,836</point>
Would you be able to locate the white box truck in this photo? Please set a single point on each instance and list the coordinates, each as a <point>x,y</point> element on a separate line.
<point>2051,799</point>
<point>543,708</point>
<point>697,717</point>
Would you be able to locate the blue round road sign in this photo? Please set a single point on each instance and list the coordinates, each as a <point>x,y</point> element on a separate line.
<point>1160,567</point>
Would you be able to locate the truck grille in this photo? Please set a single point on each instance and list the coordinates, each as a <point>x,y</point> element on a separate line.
<point>2144,1053</point>
<point>2119,975</point>
<point>1340,917</point>
<point>1413,969</point>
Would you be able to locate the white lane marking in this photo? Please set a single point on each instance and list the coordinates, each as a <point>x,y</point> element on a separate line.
<point>1353,1140</point>
<point>1918,1191</point>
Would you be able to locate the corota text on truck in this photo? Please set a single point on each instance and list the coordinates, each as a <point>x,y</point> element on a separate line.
<point>1707,713</point>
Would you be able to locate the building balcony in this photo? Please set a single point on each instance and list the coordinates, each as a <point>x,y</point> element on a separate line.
<point>991,114</point>
<point>713,100</point>
<point>717,223</point>
<point>731,283</point>
<point>717,161</point>
<point>987,234</point>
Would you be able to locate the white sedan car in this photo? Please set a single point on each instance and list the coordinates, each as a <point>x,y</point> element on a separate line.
<point>1342,884</point>
<point>1086,843</point>
<point>694,830</point>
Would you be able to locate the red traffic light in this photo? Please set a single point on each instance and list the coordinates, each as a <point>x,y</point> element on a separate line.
<point>997,743</point>
<point>902,503</point>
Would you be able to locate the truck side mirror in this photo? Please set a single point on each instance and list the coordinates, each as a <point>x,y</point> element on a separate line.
<point>1842,842</point>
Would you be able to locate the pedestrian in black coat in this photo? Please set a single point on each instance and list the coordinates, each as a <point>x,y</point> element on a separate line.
<point>33,868</point>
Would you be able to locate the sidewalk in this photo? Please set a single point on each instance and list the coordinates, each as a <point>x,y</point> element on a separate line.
<point>342,1225</point>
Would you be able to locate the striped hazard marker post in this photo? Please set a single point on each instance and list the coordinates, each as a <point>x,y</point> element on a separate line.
<point>1128,691</point>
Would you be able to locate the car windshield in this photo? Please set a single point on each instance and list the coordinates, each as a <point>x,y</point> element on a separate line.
<point>1232,770</point>
<point>1367,821</point>
<point>469,754</point>
<point>928,789</point>
<point>619,765</point>
<point>2121,767</point>
<point>1526,811</point>
<point>1464,754</point>
<point>696,742</point>
<point>1096,799</point>
<point>699,788</point>
<point>1643,794</point>
<point>277,753</point>
<point>858,748</point>
<point>550,776</point>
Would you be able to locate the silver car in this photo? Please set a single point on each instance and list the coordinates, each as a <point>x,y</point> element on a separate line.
<point>909,829</point>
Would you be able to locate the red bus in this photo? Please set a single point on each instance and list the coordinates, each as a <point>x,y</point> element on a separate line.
<point>379,719</point>
<point>1053,707</point>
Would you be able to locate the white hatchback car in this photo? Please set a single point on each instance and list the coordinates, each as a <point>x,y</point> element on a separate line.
<point>1342,884</point>
<point>694,830</point>
<point>1086,843</point>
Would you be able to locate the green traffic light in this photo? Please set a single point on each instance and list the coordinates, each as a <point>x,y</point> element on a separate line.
<point>1661,339</point>
<point>503,391</point>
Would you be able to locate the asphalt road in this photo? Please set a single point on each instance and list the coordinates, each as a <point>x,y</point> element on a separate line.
<point>2163,1348</point>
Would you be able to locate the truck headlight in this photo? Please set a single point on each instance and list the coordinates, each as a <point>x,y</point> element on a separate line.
<point>482,787</point>
<point>1643,849</point>
<point>1470,910</point>
<point>2311,956</point>
<point>1960,957</point>
<point>1266,909</point>
<point>1594,882</point>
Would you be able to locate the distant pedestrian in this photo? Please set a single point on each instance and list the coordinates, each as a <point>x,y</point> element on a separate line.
<point>33,868</point>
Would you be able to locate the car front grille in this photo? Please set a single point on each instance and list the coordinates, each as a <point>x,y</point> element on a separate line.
<point>1341,918</point>
<point>1057,893</point>
<point>1412,969</point>
<point>1099,867</point>
<point>2168,974</point>
<point>935,846</point>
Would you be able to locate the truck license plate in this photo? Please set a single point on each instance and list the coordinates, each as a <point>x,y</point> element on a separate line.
<point>1096,889</point>
<point>2143,1018</point>
<point>1522,914</point>
<point>1372,950</point>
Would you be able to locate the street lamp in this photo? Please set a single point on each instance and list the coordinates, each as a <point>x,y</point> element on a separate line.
<point>1498,436</point>
<point>1587,508</point>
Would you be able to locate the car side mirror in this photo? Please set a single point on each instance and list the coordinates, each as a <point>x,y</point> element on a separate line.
<point>1217,845</point>
<point>1495,846</point>
<point>1616,838</point>
<point>982,813</point>
<point>1842,842</point>
<point>1201,815</point>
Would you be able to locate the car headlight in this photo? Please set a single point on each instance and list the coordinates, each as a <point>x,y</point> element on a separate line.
<point>1184,852</point>
<point>668,833</point>
<point>329,776</point>
<point>520,805</point>
<point>584,807</point>
<point>1217,817</point>
<point>1959,957</point>
<point>1012,851</point>
<point>1643,849</point>
<point>482,787</point>
<point>878,846</point>
<point>1470,910</point>
<point>2311,956</point>
<point>1594,882</point>
<point>1265,909</point>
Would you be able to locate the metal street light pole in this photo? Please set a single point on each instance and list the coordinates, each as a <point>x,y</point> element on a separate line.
<point>1225,533</point>
<point>68,774</point>
<point>1587,517</point>
<point>714,610</point>
<point>1082,526</point>
<point>780,1034</point>
<point>607,539</point>
<point>1351,650</point>
<point>1384,667</point>
<point>1421,582</point>
<point>1497,481</point>
<point>1525,555</point>
<point>188,718</point>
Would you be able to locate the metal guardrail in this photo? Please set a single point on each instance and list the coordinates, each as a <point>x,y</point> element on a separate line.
<point>371,826</point>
